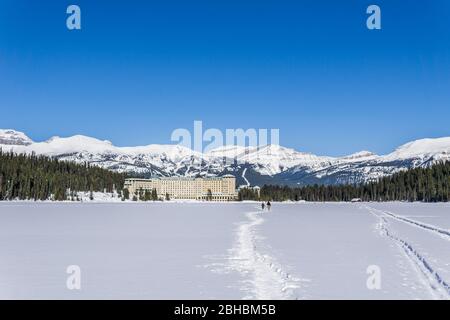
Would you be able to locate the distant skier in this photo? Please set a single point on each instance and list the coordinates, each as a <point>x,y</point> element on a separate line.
<point>263,206</point>
<point>268,205</point>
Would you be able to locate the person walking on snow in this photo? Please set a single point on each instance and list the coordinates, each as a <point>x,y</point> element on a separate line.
<point>268,205</point>
<point>262,206</point>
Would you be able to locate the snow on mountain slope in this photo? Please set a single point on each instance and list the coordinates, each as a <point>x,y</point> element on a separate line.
<point>12,137</point>
<point>359,156</point>
<point>270,159</point>
<point>58,146</point>
<point>278,159</point>
<point>266,164</point>
<point>154,159</point>
<point>229,151</point>
<point>365,166</point>
<point>80,143</point>
<point>439,147</point>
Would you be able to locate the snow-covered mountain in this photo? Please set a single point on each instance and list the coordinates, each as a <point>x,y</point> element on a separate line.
<point>268,164</point>
<point>12,137</point>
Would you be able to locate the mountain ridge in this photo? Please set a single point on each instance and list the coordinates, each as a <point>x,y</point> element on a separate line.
<point>258,165</point>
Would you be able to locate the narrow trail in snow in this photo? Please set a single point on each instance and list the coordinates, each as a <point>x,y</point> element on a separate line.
<point>265,278</point>
<point>439,288</point>
<point>433,229</point>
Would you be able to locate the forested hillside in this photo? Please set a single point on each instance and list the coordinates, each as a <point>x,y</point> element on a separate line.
<point>41,178</point>
<point>420,184</point>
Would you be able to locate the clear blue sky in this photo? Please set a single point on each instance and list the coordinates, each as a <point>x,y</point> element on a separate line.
<point>137,71</point>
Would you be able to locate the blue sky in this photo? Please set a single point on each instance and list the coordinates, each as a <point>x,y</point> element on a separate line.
<point>137,71</point>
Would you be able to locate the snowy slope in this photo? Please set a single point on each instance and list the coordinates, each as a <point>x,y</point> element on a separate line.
<point>422,149</point>
<point>271,159</point>
<point>254,165</point>
<point>12,137</point>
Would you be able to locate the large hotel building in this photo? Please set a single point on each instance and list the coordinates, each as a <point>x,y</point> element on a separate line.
<point>214,188</point>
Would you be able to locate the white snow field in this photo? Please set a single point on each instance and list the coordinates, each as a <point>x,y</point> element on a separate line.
<point>225,250</point>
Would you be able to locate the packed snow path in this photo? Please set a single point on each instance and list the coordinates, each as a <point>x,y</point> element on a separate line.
<point>267,279</point>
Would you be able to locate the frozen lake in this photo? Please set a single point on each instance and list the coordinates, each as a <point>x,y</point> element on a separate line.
<point>225,251</point>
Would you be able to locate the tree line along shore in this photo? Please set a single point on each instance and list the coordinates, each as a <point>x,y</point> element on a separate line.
<point>32,177</point>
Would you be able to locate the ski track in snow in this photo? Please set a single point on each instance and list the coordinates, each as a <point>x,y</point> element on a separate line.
<point>439,288</point>
<point>433,229</point>
<point>265,278</point>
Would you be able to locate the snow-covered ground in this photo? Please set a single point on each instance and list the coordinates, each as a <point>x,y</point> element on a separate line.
<point>225,250</point>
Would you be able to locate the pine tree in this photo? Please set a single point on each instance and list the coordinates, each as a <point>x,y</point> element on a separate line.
<point>154,195</point>
<point>126,194</point>
<point>147,195</point>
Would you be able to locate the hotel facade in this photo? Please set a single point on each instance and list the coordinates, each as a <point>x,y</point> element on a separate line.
<point>211,188</point>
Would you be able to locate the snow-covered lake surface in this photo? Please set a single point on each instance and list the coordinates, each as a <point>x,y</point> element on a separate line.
<point>225,251</point>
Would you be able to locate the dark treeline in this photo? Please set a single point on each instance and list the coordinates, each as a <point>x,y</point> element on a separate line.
<point>34,177</point>
<point>420,184</point>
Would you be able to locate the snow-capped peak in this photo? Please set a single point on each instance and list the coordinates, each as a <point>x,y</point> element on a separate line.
<point>172,151</point>
<point>228,151</point>
<point>13,137</point>
<point>73,144</point>
<point>269,159</point>
<point>422,147</point>
<point>360,155</point>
